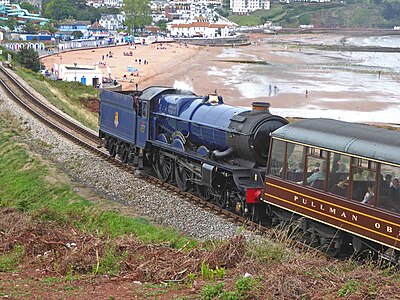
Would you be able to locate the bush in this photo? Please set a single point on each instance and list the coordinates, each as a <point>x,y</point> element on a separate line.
<point>28,58</point>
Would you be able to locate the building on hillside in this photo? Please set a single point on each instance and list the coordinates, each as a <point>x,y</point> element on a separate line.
<point>22,15</point>
<point>243,7</point>
<point>190,9</point>
<point>200,29</point>
<point>4,1</point>
<point>84,74</point>
<point>97,31</point>
<point>104,3</point>
<point>68,27</point>
<point>316,1</point>
<point>112,22</point>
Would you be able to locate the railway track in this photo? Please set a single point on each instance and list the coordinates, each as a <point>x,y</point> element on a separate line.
<point>87,139</point>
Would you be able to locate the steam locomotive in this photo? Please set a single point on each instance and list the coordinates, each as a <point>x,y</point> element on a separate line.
<point>311,176</point>
<point>197,142</point>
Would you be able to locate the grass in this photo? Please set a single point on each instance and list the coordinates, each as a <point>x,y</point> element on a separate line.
<point>357,15</point>
<point>64,95</point>
<point>23,185</point>
<point>9,262</point>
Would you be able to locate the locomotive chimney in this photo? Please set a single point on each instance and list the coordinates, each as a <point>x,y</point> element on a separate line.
<point>261,106</point>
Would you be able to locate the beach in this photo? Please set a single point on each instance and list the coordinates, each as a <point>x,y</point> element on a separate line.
<point>296,79</point>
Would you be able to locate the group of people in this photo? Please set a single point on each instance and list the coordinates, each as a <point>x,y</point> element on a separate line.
<point>388,187</point>
<point>110,54</point>
<point>130,53</point>
<point>139,60</point>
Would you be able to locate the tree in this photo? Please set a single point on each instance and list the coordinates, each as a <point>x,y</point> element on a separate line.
<point>29,27</point>
<point>29,7</point>
<point>12,23</point>
<point>49,26</point>
<point>28,58</point>
<point>162,24</point>
<point>389,12</point>
<point>305,19</point>
<point>59,10</point>
<point>138,14</point>
<point>77,34</point>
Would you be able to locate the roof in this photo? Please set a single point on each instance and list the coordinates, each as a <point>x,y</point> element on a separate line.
<point>356,139</point>
<point>96,26</point>
<point>74,22</point>
<point>199,24</point>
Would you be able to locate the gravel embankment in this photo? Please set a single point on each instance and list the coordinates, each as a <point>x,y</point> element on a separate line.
<point>125,188</point>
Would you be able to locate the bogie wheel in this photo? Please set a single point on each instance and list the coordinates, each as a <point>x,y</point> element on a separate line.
<point>125,155</point>
<point>205,192</point>
<point>112,148</point>
<point>219,201</point>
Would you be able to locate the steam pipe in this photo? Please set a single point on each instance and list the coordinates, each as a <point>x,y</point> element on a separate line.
<point>218,155</point>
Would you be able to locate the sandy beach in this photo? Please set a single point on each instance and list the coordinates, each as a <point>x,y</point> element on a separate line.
<point>297,81</point>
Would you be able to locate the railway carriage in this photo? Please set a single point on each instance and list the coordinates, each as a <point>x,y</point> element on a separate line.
<point>338,183</point>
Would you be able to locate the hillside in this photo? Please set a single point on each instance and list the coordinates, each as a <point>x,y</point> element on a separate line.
<point>360,14</point>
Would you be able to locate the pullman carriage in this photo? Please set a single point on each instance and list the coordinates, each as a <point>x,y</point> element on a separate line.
<point>339,182</point>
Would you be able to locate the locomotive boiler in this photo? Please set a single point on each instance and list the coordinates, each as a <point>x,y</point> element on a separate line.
<point>218,130</point>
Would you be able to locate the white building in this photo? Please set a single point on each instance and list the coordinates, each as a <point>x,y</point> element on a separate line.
<point>199,29</point>
<point>105,3</point>
<point>243,7</point>
<point>84,74</point>
<point>112,22</point>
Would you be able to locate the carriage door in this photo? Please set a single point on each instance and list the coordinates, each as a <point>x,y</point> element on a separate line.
<point>143,123</point>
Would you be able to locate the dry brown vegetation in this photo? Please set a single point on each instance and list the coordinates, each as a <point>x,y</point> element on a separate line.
<point>55,257</point>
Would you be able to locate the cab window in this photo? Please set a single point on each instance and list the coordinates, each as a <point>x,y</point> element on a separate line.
<point>143,109</point>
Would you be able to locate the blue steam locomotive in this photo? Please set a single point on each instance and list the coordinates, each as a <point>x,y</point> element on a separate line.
<point>199,143</point>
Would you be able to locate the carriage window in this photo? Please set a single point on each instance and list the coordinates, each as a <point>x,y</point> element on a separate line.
<point>388,184</point>
<point>316,163</point>
<point>277,158</point>
<point>315,172</point>
<point>295,163</point>
<point>338,174</point>
<point>364,175</point>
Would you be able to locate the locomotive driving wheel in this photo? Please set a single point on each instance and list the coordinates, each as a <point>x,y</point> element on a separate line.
<point>182,176</point>
<point>163,166</point>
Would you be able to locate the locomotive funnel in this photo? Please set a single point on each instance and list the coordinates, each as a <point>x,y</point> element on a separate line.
<point>261,106</point>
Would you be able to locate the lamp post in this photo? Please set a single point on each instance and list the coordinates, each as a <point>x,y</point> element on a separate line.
<point>75,71</point>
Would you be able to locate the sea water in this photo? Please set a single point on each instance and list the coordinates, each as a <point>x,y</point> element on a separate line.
<point>375,75</point>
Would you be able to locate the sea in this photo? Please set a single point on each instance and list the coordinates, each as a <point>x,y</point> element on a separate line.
<point>361,78</point>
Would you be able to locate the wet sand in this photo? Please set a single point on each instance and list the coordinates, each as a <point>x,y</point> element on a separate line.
<point>291,68</point>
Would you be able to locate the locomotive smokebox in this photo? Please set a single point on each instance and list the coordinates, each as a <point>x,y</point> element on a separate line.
<point>250,133</point>
<point>261,106</point>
